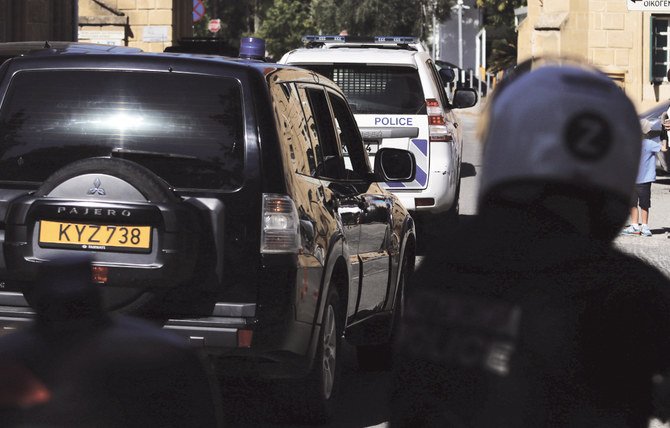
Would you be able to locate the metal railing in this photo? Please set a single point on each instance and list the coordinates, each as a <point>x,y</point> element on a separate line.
<point>468,79</point>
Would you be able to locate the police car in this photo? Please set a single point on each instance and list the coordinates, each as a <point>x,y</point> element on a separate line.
<point>398,98</point>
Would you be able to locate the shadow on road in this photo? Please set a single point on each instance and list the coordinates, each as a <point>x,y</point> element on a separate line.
<point>434,236</point>
<point>468,170</point>
<point>363,401</point>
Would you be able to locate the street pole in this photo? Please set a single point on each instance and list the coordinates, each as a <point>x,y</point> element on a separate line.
<point>435,41</point>
<point>459,10</point>
<point>459,5</point>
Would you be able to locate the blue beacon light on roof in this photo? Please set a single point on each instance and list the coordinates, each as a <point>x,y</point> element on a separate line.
<point>252,48</point>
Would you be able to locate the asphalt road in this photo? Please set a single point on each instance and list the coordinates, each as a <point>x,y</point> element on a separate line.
<point>364,395</point>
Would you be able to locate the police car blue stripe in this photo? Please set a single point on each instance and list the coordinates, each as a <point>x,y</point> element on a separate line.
<point>421,145</point>
<point>421,176</point>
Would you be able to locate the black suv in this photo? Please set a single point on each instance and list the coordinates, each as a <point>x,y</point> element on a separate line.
<point>231,200</point>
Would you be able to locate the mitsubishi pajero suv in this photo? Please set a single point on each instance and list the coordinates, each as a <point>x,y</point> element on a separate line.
<point>213,195</point>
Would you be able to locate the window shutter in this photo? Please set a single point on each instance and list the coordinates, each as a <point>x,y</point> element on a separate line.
<point>659,49</point>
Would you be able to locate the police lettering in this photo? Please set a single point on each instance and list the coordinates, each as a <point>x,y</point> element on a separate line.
<point>394,121</point>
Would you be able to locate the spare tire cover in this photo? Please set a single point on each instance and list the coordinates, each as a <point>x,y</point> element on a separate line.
<point>118,180</point>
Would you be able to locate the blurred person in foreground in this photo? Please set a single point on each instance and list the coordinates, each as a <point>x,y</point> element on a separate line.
<point>79,366</point>
<point>530,317</point>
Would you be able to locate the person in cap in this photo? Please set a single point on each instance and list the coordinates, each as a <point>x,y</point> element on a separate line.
<point>79,366</point>
<point>529,317</point>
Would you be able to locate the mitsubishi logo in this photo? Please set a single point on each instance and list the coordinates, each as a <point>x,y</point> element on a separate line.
<point>96,189</point>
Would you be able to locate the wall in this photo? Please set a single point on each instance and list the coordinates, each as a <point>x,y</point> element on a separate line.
<point>602,32</point>
<point>36,20</point>
<point>152,24</point>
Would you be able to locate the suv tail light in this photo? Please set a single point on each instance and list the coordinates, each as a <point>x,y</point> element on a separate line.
<point>280,225</point>
<point>437,126</point>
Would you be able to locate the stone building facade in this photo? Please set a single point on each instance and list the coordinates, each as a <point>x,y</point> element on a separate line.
<point>150,25</point>
<point>37,20</point>
<point>631,46</point>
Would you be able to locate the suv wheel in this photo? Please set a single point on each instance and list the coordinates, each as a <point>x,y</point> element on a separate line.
<point>128,198</point>
<point>315,396</point>
<point>146,182</point>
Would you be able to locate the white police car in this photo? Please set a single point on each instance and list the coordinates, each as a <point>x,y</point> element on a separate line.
<point>398,98</point>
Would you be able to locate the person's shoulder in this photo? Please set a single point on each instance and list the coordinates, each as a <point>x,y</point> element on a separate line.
<point>631,273</point>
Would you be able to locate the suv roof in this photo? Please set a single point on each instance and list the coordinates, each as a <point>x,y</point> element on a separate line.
<point>204,45</point>
<point>13,49</point>
<point>63,46</point>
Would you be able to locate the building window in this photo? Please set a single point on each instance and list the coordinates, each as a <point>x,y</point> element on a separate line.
<point>660,55</point>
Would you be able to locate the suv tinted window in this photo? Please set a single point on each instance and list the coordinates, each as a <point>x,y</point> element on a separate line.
<point>377,89</point>
<point>329,161</point>
<point>358,165</point>
<point>48,122</point>
<point>293,128</point>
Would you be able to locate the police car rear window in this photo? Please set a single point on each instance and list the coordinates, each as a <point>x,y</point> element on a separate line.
<point>187,129</point>
<point>372,89</point>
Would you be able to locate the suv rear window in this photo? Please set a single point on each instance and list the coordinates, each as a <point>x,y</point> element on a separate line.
<point>372,89</point>
<point>187,129</point>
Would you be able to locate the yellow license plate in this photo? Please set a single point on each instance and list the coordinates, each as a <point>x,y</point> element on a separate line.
<point>95,237</point>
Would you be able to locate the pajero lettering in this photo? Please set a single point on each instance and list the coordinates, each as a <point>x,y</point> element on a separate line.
<point>93,211</point>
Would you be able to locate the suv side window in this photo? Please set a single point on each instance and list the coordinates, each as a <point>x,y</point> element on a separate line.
<point>329,161</point>
<point>357,163</point>
<point>292,129</point>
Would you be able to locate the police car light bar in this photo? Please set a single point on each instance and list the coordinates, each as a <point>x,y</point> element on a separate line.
<point>359,39</point>
<point>396,39</point>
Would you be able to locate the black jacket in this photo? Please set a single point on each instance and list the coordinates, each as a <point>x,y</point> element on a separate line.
<point>521,321</point>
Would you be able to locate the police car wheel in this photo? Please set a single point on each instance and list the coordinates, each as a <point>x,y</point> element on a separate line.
<point>453,212</point>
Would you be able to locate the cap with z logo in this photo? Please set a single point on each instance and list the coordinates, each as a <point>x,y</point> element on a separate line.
<point>563,124</point>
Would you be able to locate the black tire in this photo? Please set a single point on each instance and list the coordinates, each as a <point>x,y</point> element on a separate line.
<point>313,398</point>
<point>152,187</point>
<point>380,357</point>
<point>144,302</point>
<point>452,214</point>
